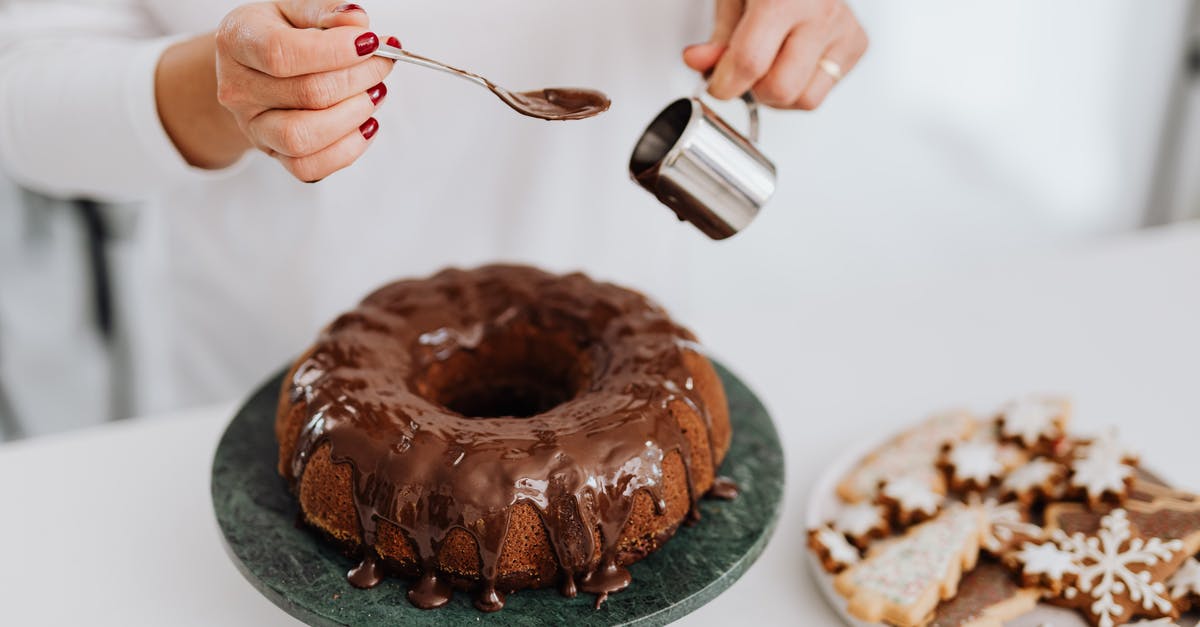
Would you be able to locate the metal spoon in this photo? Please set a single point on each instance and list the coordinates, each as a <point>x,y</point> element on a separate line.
<point>552,103</point>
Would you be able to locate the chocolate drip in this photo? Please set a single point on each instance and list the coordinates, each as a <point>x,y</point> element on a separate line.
<point>378,385</point>
<point>724,488</point>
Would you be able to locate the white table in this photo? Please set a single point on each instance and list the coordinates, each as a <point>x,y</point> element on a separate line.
<point>114,525</point>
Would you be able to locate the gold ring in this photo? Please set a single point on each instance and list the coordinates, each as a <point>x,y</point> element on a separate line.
<point>831,68</point>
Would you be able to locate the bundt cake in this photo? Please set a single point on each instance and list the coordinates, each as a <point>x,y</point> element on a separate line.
<point>501,428</point>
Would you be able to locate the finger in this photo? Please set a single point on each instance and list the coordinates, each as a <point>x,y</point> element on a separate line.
<point>793,68</point>
<point>702,57</point>
<point>326,14</point>
<point>321,91</point>
<point>725,20</point>
<point>755,43</point>
<point>259,37</point>
<point>342,153</point>
<point>299,133</point>
<point>845,51</point>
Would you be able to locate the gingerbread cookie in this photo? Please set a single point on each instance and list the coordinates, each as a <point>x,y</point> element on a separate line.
<point>1037,480</point>
<point>910,500</point>
<point>832,549</point>
<point>1184,585</point>
<point>912,453</point>
<point>1102,469</point>
<point>987,596</point>
<point>861,523</point>
<point>902,581</point>
<point>1165,520</point>
<point>1034,420</point>
<point>1113,575</point>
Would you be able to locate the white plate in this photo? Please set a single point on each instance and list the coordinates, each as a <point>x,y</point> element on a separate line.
<point>822,505</point>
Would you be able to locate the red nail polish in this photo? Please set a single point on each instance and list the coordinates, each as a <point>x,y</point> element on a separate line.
<point>366,44</point>
<point>346,8</point>
<point>369,128</point>
<point>377,93</point>
<point>393,42</point>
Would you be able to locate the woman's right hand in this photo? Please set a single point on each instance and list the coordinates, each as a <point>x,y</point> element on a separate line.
<point>301,82</point>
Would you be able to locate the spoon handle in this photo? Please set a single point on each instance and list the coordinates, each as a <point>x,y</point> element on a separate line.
<point>398,54</point>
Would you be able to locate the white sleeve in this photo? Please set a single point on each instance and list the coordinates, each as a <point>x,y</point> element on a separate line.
<point>78,116</point>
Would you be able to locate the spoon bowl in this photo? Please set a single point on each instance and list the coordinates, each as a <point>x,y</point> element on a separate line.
<point>551,103</point>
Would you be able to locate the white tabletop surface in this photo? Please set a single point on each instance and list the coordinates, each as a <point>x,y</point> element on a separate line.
<point>113,526</point>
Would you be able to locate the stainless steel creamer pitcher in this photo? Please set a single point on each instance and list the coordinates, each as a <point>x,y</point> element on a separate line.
<point>702,168</point>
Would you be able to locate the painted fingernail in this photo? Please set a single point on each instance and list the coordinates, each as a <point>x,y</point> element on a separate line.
<point>369,128</point>
<point>346,8</point>
<point>366,44</point>
<point>393,42</point>
<point>377,93</point>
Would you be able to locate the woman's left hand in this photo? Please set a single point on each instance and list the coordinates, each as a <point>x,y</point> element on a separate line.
<point>790,52</point>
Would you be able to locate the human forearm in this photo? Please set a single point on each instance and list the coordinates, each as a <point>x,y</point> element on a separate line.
<point>185,89</point>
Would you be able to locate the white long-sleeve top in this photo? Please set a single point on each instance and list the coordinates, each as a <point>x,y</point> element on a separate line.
<point>222,276</point>
<point>964,135</point>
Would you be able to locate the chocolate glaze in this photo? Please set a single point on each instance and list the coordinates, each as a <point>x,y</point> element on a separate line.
<point>560,103</point>
<point>371,392</point>
<point>724,488</point>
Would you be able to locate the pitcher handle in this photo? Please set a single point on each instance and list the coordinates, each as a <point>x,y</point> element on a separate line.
<point>751,107</point>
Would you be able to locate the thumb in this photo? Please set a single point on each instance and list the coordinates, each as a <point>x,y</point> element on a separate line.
<point>702,57</point>
<point>323,13</point>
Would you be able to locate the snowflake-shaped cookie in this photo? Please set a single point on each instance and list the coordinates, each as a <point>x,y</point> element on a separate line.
<point>1033,418</point>
<point>1113,573</point>
<point>1103,468</point>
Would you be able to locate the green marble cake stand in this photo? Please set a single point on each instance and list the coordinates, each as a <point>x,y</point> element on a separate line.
<point>307,578</point>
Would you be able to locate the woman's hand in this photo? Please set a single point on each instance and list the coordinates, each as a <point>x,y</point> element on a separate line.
<point>294,78</point>
<point>300,80</point>
<point>790,52</point>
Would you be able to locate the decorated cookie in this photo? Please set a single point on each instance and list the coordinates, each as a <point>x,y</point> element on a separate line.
<point>1034,420</point>
<point>1112,575</point>
<point>861,523</point>
<point>832,549</point>
<point>901,582</point>
<point>973,465</point>
<point>1006,526</point>
<point>987,596</point>
<point>1102,469</point>
<point>1148,491</point>
<point>912,453</point>
<point>1166,521</point>
<point>1036,480</point>
<point>910,500</point>
<point>1184,585</point>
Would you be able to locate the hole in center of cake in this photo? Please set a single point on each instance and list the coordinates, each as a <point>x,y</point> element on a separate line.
<point>515,373</point>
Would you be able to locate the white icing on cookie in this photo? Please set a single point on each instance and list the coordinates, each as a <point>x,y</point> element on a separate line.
<point>1031,418</point>
<point>1102,467</point>
<point>840,551</point>
<point>1004,522</point>
<point>1111,567</point>
<point>858,520</point>
<point>1186,580</point>
<point>1046,559</point>
<point>976,461</point>
<point>905,569</point>
<point>1030,476</point>
<point>913,495</point>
